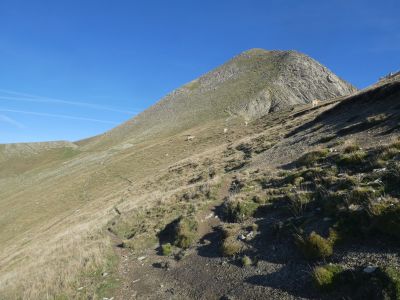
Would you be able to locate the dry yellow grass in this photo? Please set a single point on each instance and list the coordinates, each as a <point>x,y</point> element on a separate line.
<point>53,235</point>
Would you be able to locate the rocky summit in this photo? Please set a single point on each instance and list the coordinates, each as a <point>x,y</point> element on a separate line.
<point>250,85</point>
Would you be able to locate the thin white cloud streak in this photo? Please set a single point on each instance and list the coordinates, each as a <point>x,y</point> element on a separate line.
<point>57,116</point>
<point>39,99</point>
<point>10,121</point>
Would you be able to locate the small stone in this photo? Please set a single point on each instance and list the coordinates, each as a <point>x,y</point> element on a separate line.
<point>370,269</point>
<point>141,258</point>
<point>104,274</point>
<point>206,242</point>
<point>250,235</point>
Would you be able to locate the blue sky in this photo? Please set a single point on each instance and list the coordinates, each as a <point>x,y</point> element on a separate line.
<point>72,69</point>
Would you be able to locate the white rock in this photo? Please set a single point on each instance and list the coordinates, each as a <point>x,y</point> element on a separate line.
<point>141,258</point>
<point>209,216</point>
<point>250,235</point>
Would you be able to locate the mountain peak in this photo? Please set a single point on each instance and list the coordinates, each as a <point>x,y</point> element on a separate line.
<point>253,83</point>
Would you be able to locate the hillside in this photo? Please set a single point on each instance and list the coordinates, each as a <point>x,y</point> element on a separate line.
<point>143,213</point>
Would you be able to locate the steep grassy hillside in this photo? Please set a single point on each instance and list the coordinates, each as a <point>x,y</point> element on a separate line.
<point>87,220</point>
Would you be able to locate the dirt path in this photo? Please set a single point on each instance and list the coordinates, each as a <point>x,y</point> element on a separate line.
<point>201,274</point>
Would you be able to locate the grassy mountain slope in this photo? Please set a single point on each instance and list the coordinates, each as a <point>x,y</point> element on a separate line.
<point>144,174</point>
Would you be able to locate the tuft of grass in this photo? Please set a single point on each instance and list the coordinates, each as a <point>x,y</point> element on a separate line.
<point>185,232</point>
<point>166,249</point>
<point>383,283</point>
<point>325,277</point>
<point>361,195</point>
<point>237,210</point>
<point>386,217</point>
<point>353,159</point>
<point>246,261</point>
<point>298,202</point>
<point>351,148</point>
<point>231,246</point>
<point>311,158</point>
<point>388,152</point>
<point>314,246</point>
